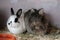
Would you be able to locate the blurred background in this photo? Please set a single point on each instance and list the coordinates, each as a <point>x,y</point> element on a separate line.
<point>51,7</point>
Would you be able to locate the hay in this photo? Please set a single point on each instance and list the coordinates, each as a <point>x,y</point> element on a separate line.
<point>54,36</point>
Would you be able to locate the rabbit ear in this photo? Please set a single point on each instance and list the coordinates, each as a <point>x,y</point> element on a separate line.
<point>41,11</point>
<point>33,10</point>
<point>19,12</point>
<point>12,11</point>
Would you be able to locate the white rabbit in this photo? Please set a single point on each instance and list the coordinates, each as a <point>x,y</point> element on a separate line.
<point>15,23</point>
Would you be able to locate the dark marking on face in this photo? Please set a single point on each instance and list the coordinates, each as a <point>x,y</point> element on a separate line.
<point>16,19</point>
<point>10,23</point>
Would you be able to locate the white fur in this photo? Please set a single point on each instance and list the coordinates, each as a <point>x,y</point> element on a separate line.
<point>16,28</point>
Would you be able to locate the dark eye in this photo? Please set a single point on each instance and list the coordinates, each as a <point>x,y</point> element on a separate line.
<point>16,19</point>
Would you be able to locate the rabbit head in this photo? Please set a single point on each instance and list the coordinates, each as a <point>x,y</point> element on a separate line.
<point>14,18</point>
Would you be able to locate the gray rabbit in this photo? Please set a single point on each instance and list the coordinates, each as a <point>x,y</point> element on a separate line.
<point>36,21</point>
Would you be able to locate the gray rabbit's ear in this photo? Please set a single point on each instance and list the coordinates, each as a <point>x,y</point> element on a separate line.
<point>19,12</point>
<point>33,10</point>
<point>41,11</point>
<point>12,11</point>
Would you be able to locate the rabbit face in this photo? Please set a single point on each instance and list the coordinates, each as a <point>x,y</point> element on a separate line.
<point>13,21</point>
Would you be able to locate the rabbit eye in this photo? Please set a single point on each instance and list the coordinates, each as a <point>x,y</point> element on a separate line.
<point>16,19</point>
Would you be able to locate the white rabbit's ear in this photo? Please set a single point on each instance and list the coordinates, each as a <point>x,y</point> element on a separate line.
<point>19,12</point>
<point>12,11</point>
<point>41,11</point>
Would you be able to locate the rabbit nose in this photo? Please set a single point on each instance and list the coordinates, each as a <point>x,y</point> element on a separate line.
<point>8,23</point>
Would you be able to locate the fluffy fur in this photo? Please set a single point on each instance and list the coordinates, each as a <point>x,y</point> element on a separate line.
<point>15,23</point>
<point>36,21</point>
